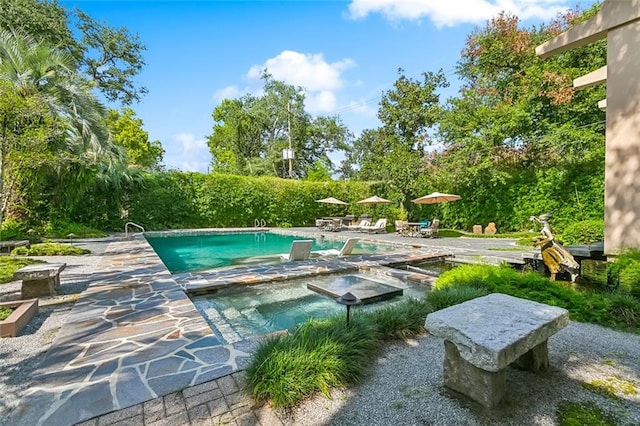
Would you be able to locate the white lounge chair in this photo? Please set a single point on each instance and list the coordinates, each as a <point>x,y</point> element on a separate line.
<point>300,250</point>
<point>346,249</point>
<point>379,227</point>
<point>363,222</point>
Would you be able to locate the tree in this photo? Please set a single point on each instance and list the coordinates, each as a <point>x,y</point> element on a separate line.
<point>395,152</point>
<point>128,132</point>
<point>34,71</point>
<point>250,133</point>
<point>110,57</point>
<point>519,140</point>
<point>26,128</point>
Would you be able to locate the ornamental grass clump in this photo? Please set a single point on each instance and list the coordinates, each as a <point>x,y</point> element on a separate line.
<point>401,321</point>
<point>316,357</point>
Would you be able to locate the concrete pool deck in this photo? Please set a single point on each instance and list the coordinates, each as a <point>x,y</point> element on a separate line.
<point>133,339</point>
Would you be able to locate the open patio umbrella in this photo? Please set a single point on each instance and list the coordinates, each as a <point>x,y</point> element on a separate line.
<point>373,200</point>
<point>436,197</point>
<point>331,200</point>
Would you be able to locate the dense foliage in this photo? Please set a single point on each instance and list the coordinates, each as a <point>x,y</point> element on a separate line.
<point>171,200</point>
<point>597,307</point>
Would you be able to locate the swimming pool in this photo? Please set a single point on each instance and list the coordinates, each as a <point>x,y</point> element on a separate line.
<point>244,312</point>
<point>184,253</point>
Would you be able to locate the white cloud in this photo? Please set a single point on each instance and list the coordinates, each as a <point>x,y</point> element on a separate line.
<point>310,71</point>
<point>322,101</point>
<point>187,153</point>
<point>229,92</point>
<point>451,13</point>
<point>321,80</point>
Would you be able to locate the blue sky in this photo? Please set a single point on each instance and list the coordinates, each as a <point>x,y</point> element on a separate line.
<point>344,53</point>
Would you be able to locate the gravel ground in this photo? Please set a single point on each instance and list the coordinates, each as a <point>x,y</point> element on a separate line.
<point>405,386</point>
<point>21,355</point>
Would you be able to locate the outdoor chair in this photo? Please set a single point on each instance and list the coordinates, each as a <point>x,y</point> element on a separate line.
<point>300,250</point>
<point>432,230</point>
<point>346,249</point>
<point>379,227</point>
<point>402,227</point>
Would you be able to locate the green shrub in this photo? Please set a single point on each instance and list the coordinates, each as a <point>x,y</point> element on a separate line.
<point>5,312</point>
<point>9,265</point>
<point>444,297</point>
<point>584,232</point>
<point>317,356</point>
<point>50,249</point>
<point>13,230</point>
<point>624,273</point>
<point>584,306</point>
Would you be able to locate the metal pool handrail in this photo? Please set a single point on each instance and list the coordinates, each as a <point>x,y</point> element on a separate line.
<point>126,227</point>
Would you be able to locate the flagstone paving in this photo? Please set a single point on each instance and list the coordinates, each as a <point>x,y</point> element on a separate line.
<point>135,350</point>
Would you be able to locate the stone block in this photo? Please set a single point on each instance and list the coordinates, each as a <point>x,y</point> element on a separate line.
<point>477,229</point>
<point>493,331</point>
<point>485,335</point>
<point>39,279</point>
<point>490,229</point>
<point>485,387</point>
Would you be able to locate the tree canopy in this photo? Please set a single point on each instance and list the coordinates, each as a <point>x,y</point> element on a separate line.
<point>110,57</point>
<point>251,132</point>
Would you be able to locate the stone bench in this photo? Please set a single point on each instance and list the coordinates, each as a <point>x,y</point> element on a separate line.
<point>39,279</point>
<point>8,246</point>
<point>483,336</point>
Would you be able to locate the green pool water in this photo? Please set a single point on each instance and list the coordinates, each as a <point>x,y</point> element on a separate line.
<point>198,252</point>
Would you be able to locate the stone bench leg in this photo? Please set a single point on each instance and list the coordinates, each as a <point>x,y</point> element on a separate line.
<point>485,387</point>
<point>38,288</point>
<point>536,359</point>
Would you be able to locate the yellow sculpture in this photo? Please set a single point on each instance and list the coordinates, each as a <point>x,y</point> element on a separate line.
<point>556,257</point>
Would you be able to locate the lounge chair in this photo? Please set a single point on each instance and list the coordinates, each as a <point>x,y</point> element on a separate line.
<point>432,230</point>
<point>358,227</point>
<point>300,250</point>
<point>346,249</point>
<point>379,227</point>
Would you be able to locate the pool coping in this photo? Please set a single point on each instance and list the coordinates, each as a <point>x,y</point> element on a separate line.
<point>134,334</point>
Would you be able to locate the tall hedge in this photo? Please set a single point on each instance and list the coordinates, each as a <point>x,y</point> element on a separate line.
<point>174,200</point>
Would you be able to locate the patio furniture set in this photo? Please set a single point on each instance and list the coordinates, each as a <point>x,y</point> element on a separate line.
<point>424,229</point>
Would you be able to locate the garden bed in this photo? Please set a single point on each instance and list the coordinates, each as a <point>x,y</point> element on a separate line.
<point>23,312</point>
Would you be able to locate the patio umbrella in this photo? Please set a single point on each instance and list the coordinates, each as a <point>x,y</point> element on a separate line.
<point>436,197</point>
<point>373,200</point>
<point>331,200</point>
